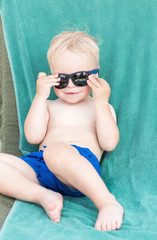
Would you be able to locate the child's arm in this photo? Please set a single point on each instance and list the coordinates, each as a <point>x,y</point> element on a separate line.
<point>35,126</point>
<point>107,130</point>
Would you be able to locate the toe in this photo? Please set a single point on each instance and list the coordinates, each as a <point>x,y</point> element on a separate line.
<point>104,227</point>
<point>114,225</point>
<point>98,225</point>
<point>55,219</point>
<point>55,215</point>
<point>118,224</point>
<point>109,226</point>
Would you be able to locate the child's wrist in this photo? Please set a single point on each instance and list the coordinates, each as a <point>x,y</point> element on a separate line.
<point>102,104</point>
<point>40,97</point>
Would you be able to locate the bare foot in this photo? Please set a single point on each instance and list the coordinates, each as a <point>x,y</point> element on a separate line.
<point>52,202</point>
<point>110,217</point>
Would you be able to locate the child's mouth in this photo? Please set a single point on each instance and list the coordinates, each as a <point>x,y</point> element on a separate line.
<point>71,93</point>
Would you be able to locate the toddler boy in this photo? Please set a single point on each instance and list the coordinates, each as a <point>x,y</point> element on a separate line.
<point>73,131</point>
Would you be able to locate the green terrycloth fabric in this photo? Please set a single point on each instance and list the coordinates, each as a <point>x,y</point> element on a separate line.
<point>9,131</point>
<point>128,62</point>
<point>9,134</point>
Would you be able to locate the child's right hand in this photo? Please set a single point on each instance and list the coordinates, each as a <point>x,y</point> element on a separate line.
<point>45,83</point>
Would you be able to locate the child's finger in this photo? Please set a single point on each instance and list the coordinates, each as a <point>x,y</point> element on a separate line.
<point>53,76</point>
<point>52,84</point>
<point>52,80</point>
<point>48,79</point>
<point>91,84</point>
<point>105,85</point>
<point>41,74</point>
<point>45,77</point>
<point>103,81</point>
<point>94,81</point>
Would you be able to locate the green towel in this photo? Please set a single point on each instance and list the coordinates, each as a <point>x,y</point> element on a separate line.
<point>128,59</point>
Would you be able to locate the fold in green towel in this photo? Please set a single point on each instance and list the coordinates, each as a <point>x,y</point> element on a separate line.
<point>128,62</point>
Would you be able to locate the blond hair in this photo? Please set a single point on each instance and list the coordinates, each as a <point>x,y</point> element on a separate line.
<point>76,41</point>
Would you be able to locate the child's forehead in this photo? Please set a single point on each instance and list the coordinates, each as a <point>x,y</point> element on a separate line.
<point>69,62</point>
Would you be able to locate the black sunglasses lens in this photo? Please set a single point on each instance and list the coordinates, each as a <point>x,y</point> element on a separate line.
<point>80,79</point>
<point>63,82</point>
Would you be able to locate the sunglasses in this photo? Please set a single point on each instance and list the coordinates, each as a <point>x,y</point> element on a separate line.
<point>79,79</point>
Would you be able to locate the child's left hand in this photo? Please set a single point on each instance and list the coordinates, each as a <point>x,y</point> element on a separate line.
<point>101,89</point>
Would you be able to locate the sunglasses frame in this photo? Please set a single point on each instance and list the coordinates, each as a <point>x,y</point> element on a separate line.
<point>70,76</point>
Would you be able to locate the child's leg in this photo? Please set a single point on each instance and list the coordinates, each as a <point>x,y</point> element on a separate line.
<point>18,180</point>
<point>76,171</point>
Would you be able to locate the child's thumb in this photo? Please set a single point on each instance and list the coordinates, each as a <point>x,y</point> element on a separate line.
<point>41,74</point>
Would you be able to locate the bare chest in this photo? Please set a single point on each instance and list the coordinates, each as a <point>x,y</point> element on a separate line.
<point>73,115</point>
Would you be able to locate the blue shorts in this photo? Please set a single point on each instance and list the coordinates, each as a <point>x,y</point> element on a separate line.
<point>49,180</point>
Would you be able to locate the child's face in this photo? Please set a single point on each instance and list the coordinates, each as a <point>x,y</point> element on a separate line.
<point>69,62</point>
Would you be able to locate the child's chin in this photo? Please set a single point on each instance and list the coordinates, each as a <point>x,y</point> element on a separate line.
<point>72,101</point>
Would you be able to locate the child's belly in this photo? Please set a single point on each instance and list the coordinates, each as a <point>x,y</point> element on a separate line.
<point>78,135</point>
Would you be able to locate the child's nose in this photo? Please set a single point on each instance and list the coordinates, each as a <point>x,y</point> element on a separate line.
<point>70,83</point>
